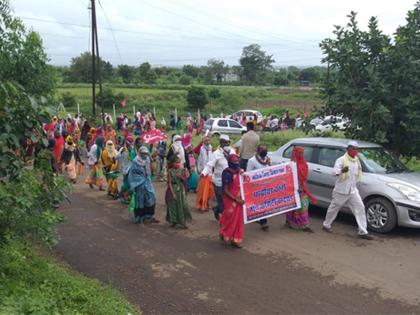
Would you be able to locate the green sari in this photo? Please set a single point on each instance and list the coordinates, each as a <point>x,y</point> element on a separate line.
<point>177,211</point>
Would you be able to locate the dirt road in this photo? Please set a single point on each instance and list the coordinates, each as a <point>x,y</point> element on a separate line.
<point>167,271</point>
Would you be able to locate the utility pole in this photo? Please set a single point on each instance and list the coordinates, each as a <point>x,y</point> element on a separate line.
<point>95,54</point>
<point>92,7</point>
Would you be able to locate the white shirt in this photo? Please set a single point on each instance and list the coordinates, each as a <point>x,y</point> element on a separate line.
<point>217,163</point>
<point>92,159</point>
<point>254,164</point>
<point>349,185</point>
<point>274,123</point>
<point>205,156</point>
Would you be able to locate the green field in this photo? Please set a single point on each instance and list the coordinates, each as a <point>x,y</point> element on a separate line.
<point>166,98</point>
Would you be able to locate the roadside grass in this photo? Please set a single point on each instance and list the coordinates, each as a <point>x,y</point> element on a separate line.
<point>31,283</point>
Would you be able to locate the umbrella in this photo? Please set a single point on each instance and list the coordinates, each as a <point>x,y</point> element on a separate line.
<point>153,136</point>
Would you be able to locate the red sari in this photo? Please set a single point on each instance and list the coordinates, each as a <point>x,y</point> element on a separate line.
<point>232,218</point>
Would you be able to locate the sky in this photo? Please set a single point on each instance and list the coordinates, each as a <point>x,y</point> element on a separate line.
<point>178,32</point>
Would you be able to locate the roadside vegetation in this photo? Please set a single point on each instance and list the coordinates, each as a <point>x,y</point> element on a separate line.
<point>31,283</point>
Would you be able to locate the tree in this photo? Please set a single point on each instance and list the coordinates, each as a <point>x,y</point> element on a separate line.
<point>191,71</point>
<point>185,80</point>
<point>22,57</point>
<point>147,74</point>
<point>27,194</point>
<point>81,69</point>
<point>197,97</point>
<point>126,73</point>
<point>375,82</point>
<point>254,63</point>
<point>217,69</point>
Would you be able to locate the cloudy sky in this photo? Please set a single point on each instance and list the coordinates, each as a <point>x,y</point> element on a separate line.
<point>177,32</point>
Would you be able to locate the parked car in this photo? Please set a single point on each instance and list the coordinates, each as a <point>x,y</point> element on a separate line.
<point>331,123</point>
<point>390,192</point>
<point>249,113</point>
<point>218,126</point>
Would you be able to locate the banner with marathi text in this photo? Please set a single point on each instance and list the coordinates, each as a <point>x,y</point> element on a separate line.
<point>269,191</point>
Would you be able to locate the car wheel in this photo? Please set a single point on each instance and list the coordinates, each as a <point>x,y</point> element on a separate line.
<point>380,214</point>
<point>215,135</point>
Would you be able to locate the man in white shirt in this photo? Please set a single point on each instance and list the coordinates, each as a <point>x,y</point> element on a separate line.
<point>258,161</point>
<point>345,193</point>
<point>217,164</point>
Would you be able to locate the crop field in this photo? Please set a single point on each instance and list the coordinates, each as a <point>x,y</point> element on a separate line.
<point>232,98</point>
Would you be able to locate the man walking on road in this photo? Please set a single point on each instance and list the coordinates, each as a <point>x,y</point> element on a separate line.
<point>216,165</point>
<point>249,144</point>
<point>345,193</point>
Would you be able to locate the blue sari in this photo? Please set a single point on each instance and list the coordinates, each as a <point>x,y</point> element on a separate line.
<point>140,182</point>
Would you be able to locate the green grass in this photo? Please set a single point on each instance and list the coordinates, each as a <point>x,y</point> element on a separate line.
<point>33,284</point>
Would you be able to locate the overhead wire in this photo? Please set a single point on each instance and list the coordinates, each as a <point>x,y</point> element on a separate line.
<point>112,32</point>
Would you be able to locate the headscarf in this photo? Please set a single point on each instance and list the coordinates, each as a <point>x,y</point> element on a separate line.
<point>143,162</point>
<point>129,141</point>
<point>233,162</point>
<point>110,149</point>
<point>229,172</point>
<point>302,170</point>
<point>70,145</point>
<point>186,140</point>
<point>99,146</point>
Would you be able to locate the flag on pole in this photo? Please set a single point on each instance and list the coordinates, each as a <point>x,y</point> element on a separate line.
<point>123,103</point>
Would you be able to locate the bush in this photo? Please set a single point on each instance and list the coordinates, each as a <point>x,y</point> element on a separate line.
<point>32,284</point>
<point>197,97</point>
<point>68,100</point>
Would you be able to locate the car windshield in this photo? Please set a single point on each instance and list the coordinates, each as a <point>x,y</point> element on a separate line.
<point>379,160</point>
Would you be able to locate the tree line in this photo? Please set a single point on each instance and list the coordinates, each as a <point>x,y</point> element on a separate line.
<point>255,68</point>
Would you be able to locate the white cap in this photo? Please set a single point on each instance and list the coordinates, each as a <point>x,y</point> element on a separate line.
<point>176,138</point>
<point>353,143</point>
<point>224,137</point>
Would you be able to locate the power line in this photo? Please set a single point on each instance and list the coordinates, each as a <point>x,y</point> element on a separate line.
<point>112,32</point>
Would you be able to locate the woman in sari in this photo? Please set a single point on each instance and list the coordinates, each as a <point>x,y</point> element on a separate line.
<point>70,158</point>
<point>110,166</point>
<point>232,220</point>
<point>192,179</point>
<point>140,182</point>
<point>95,176</point>
<point>110,134</point>
<point>125,156</point>
<point>58,148</point>
<point>299,219</point>
<point>205,186</point>
<point>177,211</point>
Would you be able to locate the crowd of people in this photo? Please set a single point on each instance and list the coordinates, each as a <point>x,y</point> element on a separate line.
<point>127,167</point>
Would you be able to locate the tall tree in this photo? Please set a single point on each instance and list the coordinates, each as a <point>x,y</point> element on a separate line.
<point>376,82</point>
<point>81,69</point>
<point>126,73</point>
<point>217,69</point>
<point>255,62</point>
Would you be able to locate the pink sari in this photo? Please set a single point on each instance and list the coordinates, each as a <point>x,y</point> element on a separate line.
<point>232,218</point>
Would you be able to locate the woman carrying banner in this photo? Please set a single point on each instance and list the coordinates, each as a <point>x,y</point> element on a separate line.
<point>299,219</point>
<point>232,220</point>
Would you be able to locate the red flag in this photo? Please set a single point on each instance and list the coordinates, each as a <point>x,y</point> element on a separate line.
<point>123,103</point>
<point>153,136</point>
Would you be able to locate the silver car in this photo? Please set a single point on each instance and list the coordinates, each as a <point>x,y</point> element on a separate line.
<point>390,192</point>
<point>218,126</point>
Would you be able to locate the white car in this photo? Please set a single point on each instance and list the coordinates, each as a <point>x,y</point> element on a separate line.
<point>249,113</point>
<point>218,126</point>
<point>331,123</point>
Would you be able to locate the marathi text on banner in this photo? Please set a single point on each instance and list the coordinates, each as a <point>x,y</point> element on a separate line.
<point>270,191</point>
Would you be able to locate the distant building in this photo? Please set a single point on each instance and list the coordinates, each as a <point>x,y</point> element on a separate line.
<point>231,77</point>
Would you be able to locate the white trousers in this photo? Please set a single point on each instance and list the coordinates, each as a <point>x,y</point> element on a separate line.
<point>352,201</point>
